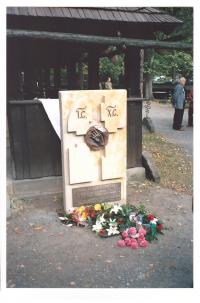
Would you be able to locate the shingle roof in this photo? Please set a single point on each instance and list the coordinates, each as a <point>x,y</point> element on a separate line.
<point>117,14</point>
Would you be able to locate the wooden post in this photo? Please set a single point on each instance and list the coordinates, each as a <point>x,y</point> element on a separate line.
<point>142,72</point>
<point>134,107</point>
<point>93,71</point>
<point>132,71</point>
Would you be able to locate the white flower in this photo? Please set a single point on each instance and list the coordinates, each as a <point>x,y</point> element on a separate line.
<point>63,218</point>
<point>115,209</point>
<point>97,227</point>
<point>135,236</point>
<point>154,221</point>
<point>112,230</point>
<point>102,219</point>
<point>132,217</point>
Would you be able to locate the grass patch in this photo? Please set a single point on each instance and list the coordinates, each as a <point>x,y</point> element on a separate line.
<point>174,165</point>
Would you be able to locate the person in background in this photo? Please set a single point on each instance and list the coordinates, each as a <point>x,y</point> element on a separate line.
<point>108,83</point>
<point>179,104</point>
<point>190,110</point>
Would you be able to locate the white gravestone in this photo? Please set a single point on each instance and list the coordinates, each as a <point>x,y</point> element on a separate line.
<point>93,136</point>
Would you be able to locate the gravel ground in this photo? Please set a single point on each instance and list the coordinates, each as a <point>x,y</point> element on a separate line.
<point>42,252</point>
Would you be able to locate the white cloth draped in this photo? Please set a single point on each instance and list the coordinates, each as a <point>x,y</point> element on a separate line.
<point>52,109</point>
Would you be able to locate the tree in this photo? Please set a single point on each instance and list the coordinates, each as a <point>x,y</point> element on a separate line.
<point>170,63</point>
<point>109,69</point>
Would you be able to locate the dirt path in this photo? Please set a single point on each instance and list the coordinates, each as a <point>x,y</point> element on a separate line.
<point>41,252</point>
<point>162,117</point>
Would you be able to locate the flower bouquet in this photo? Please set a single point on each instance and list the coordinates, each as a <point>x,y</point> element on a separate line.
<point>136,225</point>
<point>81,216</point>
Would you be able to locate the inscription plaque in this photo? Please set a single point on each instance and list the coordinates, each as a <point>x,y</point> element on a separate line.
<point>98,193</point>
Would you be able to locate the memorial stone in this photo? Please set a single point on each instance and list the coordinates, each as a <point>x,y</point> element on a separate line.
<point>93,136</point>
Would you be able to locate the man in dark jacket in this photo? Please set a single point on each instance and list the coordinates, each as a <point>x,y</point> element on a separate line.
<point>179,104</point>
<point>190,109</point>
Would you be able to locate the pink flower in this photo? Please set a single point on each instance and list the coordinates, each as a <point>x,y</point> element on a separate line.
<point>127,241</point>
<point>121,243</point>
<point>134,245</point>
<point>133,240</point>
<point>141,238</point>
<point>142,232</point>
<point>132,231</point>
<point>124,234</point>
<point>143,243</point>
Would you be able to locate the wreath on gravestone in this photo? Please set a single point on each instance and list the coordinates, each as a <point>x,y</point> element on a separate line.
<point>136,225</point>
<point>96,137</point>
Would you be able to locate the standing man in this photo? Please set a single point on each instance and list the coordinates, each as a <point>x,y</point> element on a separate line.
<point>190,110</point>
<point>179,104</point>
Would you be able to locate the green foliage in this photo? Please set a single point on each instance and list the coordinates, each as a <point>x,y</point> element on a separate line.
<point>172,62</point>
<point>108,69</point>
<point>165,64</point>
<point>183,32</point>
<point>142,209</point>
<point>178,60</point>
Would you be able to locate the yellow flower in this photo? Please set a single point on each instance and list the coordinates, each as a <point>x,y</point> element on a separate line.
<point>81,209</point>
<point>84,215</point>
<point>97,207</point>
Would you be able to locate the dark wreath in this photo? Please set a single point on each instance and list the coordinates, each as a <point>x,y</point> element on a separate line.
<point>96,137</point>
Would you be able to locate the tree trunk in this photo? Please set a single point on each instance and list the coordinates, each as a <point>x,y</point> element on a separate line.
<point>142,72</point>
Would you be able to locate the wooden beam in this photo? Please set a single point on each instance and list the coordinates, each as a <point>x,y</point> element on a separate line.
<point>92,39</point>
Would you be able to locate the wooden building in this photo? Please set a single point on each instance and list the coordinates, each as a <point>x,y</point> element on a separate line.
<point>45,43</point>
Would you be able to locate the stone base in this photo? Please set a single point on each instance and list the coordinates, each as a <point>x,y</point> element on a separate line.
<point>50,185</point>
<point>148,123</point>
<point>136,174</point>
<point>152,172</point>
<point>40,186</point>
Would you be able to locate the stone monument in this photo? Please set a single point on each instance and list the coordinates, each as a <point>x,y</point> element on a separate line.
<point>93,138</point>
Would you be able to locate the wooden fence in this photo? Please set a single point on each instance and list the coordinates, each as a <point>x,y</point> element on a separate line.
<point>36,148</point>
